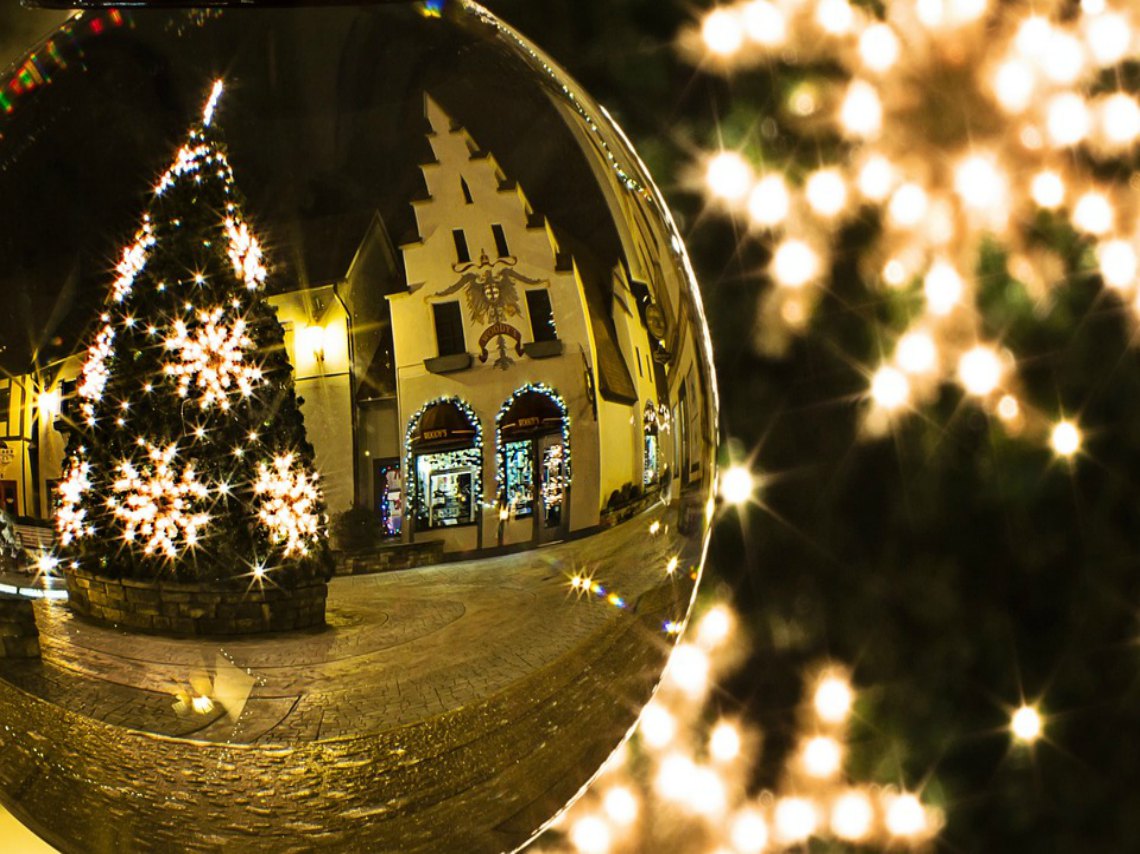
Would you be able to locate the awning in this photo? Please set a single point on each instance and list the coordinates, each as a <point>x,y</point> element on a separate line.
<point>443,427</point>
<point>532,414</point>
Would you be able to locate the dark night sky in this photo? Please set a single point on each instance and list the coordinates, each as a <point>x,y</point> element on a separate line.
<point>321,125</point>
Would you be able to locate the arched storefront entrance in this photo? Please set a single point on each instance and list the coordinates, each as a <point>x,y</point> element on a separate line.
<point>445,461</point>
<point>534,461</point>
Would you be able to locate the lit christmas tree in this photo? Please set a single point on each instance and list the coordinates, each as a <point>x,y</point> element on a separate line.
<point>188,458</point>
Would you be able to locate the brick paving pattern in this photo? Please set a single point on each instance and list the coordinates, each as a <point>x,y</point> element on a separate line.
<point>453,707</point>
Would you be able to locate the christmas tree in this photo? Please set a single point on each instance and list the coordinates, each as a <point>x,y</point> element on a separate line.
<point>188,458</point>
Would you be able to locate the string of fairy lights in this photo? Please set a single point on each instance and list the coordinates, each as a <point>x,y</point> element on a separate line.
<point>159,500</point>
<point>957,125</point>
<point>682,778</point>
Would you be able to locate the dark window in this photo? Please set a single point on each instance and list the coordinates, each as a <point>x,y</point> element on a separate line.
<point>541,316</point>
<point>67,390</point>
<point>449,328</point>
<point>5,401</point>
<point>500,241</point>
<point>637,350</point>
<point>466,191</point>
<point>461,250</point>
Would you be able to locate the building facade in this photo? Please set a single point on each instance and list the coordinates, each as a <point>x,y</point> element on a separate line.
<point>483,393</point>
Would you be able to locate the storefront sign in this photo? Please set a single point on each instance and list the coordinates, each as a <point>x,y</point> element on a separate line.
<point>499,330</point>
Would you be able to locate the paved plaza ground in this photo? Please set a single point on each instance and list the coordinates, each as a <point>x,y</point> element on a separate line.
<point>476,695</point>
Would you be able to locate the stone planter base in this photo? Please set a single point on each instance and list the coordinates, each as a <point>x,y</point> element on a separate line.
<point>19,637</point>
<point>217,609</point>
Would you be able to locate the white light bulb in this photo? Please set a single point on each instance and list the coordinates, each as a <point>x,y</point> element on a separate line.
<point>724,742</point>
<point>905,816</point>
<point>916,353</point>
<point>715,627</point>
<point>1108,38</point>
<point>723,32</point>
<point>835,16</point>
<point>737,485</point>
<point>851,816</point>
<point>1065,439</point>
<point>876,178</point>
<point>833,699</point>
<point>931,13</point>
<point>1065,58</point>
<point>879,47</point>
<point>890,389</point>
<point>1120,119</point>
<point>1033,36</point>
<point>908,205</point>
<point>749,832</point>
<point>675,778</point>
<point>764,23</point>
<point>979,371</point>
<point>794,264</point>
<point>1008,408</point>
<point>826,192</point>
<point>590,835</point>
<point>796,819</point>
<point>943,287</point>
<point>1093,213</point>
<point>1026,724</point>
<point>657,727</point>
<point>620,806</point>
<point>822,757</point>
<point>1014,82</point>
<point>728,176</point>
<point>1048,190</point>
<point>769,202</point>
<point>1118,263</point>
<point>861,113</point>
<point>1067,120</point>
<point>688,669</point>
<point>978,181</point>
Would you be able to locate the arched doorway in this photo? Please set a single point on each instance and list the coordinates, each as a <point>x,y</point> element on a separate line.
<point>534,461</point>
<point>445,465</point>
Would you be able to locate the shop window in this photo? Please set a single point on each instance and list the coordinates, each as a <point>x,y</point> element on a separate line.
<point>449,328</point>
<point>554,483</point>
<point>518,459</point>
<point>446,488</point>
<point>466,191</point>
<point>541,315</point>
<point>500,241</point>
<point>652,459</point>
<point>388,491</point>
<point>462,253</point>
<point>447,464</point>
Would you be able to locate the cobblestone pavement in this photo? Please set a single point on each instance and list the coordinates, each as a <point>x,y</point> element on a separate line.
<point>453,707</point>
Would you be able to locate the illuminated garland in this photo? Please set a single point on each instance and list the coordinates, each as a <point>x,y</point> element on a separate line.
<point>39,68</point>
<point>71,519</point>
<point>159,504</point>
<point>477,443</point>
<point>289,498</point>
<point>1039,120</point>
<point>212,359</point>
<point>556,398</point>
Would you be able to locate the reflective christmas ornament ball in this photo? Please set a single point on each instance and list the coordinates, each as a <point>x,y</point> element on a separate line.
<point>357,432</point>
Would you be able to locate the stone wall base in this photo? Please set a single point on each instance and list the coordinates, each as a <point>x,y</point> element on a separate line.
<point>214,610</point>
<point>19,637</point>
<point>391,558</point>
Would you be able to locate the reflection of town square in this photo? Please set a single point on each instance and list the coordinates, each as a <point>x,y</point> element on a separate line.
<point>442,666</point>
<point>377,496</point>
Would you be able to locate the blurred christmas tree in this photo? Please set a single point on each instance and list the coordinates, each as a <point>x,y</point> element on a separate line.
<point>944,445</point>
<point>188,457</point>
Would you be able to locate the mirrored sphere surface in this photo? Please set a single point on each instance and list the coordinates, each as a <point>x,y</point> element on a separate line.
<point>357,432</point>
